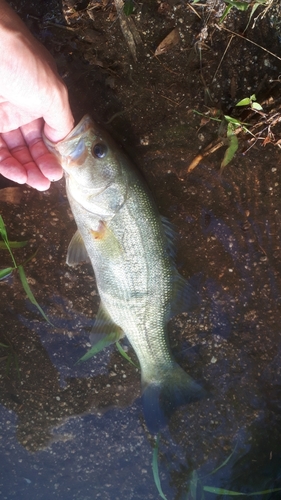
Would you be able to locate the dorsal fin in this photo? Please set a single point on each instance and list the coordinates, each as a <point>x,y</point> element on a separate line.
<point>171,235</point>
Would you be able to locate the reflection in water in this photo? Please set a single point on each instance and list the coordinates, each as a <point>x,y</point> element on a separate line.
<point>232,344</point>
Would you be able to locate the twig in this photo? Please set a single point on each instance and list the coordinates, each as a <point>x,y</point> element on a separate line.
<point>248,40</point>
<point>222,58</point>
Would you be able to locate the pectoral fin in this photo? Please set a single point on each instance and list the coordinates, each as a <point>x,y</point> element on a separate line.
<point>76,252</point>
<point>104,333</point>
<point>103,234</point>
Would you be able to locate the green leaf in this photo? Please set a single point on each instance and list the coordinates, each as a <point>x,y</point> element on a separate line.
<point>4,345</point>
<point>244,102</point>
<point>256,105</point>
<point>230,152</point>
<point>253,10</point>
<point>230,119</point>
<point>224,14</point>
<point>243,6</point>
<point>128,7</point>
<point>13,244</point>
<point>6,272</point>
<point>29,292</point>
<point>124,354</point>
<point>155,469</point>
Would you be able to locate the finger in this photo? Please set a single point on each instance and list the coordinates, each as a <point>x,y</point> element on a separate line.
<point>19,154</point>
<point>46,161</point>
<point>39,182</point>
<point>58,119</point>
<point>10,167</point>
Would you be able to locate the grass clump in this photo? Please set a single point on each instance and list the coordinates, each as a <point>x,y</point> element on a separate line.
<point>9,245</point>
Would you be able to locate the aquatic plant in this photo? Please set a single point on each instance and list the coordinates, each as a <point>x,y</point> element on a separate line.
<point>196,487</point>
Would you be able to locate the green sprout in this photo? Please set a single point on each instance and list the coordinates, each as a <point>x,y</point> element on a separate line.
<point>8,245</point>
<point>234,127</point>
<point>250,101</point>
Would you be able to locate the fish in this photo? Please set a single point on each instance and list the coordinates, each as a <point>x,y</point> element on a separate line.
<point>131,249</point>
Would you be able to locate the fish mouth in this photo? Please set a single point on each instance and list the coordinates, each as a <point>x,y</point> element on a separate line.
<point>85,124</point>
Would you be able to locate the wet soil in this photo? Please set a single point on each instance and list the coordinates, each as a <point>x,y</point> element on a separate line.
<point>76,431</point>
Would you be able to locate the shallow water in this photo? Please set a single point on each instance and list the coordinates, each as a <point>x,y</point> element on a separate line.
<point>76,431</point>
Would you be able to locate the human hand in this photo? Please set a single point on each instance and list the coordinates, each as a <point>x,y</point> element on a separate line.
<point>33,100</point>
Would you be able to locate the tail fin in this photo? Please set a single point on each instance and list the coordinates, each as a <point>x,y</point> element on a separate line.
<point>160,399</point>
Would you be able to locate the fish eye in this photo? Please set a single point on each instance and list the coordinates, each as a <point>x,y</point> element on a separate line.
<point>99,150</point>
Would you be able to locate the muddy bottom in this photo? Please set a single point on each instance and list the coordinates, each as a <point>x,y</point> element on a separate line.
<point>76,430</point>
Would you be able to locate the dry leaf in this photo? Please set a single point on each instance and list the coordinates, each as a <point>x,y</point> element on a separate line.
<point>169,42</point>
<point>11,195</point>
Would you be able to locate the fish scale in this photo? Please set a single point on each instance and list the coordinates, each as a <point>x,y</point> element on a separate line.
<point>121,232</point>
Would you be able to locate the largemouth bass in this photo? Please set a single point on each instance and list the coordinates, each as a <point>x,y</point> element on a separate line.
<point>130,248</point>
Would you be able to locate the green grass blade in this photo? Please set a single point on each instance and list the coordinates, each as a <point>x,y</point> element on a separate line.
<point>222,491</point>
<point>125,355</point>
<point>99,346</point>
<point>4,235</point>
<point>193,485</point>
<point>3,229</point>
<point>155,469</point>
<point>223,463</point>
<point>13,244</point>
<point>29,292</point>
<point>4,345</point>
<point>224,14</point>
<point>6,272</point>
<point>264,492</point>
